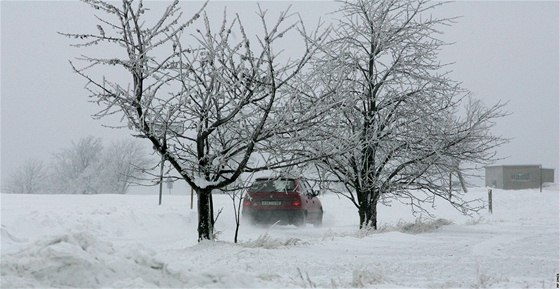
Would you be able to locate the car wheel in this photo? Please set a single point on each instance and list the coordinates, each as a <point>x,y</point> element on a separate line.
<point>248,219</point>
<point>300,219</point>
<point>319,221</point>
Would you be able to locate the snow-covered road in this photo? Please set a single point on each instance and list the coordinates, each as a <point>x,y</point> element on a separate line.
<point>128,241</point>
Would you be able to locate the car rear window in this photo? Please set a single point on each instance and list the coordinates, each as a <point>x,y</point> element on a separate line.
<point>270,186</point>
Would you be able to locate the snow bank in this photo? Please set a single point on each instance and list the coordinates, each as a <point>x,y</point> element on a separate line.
<point>66,260</point>
<point>128,241</point>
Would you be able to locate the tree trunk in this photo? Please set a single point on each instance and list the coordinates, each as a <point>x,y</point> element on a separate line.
<point>362,211</point>
<point>236,231</point>
<point>372,215</point>
<point>368,210</point>
<point>205,215</point>
<point>237,210</point>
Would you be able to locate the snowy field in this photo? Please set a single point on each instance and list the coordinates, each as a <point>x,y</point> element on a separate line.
<point>128,241</point>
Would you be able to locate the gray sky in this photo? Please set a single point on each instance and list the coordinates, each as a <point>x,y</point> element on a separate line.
<point>504,50</point>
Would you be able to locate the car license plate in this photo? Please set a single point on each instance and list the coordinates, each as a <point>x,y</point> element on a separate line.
<point>271,203</point>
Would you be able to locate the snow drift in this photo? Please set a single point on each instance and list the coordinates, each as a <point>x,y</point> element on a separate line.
<point>128,241</point>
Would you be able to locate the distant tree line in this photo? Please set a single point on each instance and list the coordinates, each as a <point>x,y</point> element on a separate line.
<point>85,167</point>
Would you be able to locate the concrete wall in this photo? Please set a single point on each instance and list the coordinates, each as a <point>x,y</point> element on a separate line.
<point>521,177</point>
<point>548,175</point>
<point>517,177</point>
<point>494,177</point>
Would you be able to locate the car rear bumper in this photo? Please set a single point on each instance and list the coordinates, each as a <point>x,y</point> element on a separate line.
<point>293,216</point>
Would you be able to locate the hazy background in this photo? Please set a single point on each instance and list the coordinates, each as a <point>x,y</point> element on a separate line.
<point>503,50</point>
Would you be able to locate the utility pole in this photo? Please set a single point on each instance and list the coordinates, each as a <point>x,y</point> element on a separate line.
<point>450,185</point>
<point>163,129</point>
<point>161,177</point>
<point>164,141</point>
<point>192,198</point>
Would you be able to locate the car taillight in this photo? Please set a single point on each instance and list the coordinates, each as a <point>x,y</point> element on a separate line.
<point>296,203</point>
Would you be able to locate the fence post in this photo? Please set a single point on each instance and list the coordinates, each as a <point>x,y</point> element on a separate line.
<point>490,200</point>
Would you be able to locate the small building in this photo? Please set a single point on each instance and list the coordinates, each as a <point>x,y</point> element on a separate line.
<point>518,177</point>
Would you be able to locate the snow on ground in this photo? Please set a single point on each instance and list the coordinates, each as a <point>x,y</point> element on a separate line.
<point>128,241</point>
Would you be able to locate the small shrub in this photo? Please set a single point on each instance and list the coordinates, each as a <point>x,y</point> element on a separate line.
<point>422,226</point>
<point>267,242</point>
<point>306,281</point>
<point>484,280</point>
<point>476,221</point>
<point>362,277</point>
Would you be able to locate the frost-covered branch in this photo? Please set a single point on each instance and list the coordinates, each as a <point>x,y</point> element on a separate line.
<point>214,101</point>
<point>401,121</point>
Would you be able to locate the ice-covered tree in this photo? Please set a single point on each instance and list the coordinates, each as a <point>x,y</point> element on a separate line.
<point>28,179</point>
<point>122,164</point>
<point>75,169</point>
<point>408,124</point>
<point>215,103</point>
<point>87,167</point>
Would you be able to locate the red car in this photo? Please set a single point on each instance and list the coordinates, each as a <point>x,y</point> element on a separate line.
<point>284,200</point>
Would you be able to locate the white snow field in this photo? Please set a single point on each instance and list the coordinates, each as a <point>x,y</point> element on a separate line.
<point>128,241</point>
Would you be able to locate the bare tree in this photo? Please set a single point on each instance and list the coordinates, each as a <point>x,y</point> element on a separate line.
<point>235,107</point>
<point>29,179</point>
<point>236,193</point>
<point>87,167</point>
<point>75,169</point>
<point>122,163</point>
<point>402,118</point>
